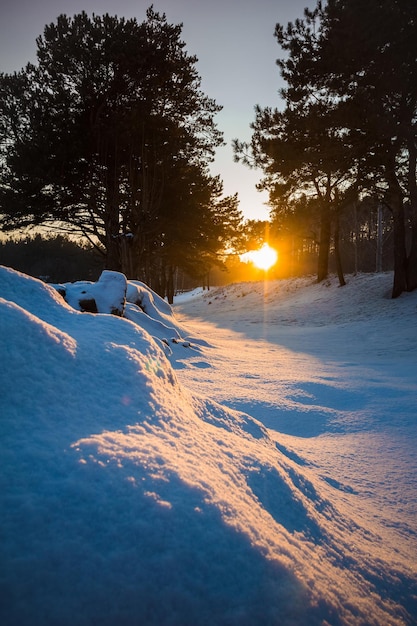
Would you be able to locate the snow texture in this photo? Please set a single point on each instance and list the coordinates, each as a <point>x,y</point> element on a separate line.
<point>248,459</point>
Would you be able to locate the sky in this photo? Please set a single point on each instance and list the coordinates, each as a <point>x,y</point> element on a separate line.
<point>235,45</point>
<point>245,457</point>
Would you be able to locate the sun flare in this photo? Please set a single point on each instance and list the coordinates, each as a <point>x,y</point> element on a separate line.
<point>263,259</point>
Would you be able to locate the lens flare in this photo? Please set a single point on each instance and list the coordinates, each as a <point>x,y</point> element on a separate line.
<point>263,259</point>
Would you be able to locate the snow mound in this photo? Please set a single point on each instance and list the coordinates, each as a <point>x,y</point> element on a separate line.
<point>133,300</point>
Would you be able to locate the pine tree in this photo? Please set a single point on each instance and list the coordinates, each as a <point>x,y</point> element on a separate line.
<point>374,69</point>
<point>349,121</point>
<point>99,130</point>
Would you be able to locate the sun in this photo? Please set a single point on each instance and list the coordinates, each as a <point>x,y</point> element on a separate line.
<point>263,259</point>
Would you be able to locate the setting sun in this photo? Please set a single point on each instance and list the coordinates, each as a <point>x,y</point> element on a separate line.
<point>264,258</point>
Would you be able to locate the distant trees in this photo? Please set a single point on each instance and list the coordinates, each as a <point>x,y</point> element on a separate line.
<point>365,237</point>
<point>110,136</point>
<point>54,259</point>
<point>348,127</point>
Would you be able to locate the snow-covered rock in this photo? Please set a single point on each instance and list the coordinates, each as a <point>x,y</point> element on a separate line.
<point>107,295</point>
<point>133,300</point>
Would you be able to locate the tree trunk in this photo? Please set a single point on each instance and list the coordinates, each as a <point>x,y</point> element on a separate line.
<point>338,259</point>
<point>396,204</point>
<point>126,255</point>
<point>113,261</point>
<point>324,243</point>
<point>411,269</point>
<point>170,285</point>
<point>379,240</point>
<point>111,221</point>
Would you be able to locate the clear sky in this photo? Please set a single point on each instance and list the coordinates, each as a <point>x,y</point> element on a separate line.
<point>233,40</point>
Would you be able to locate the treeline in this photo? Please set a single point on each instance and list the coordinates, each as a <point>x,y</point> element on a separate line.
<point>365,240</point>
<point>110,137</point>
<point>346,137</point>
<point>59,259</point>
<point>52,259</point>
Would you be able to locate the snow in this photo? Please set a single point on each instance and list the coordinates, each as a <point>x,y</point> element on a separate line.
<point>247,458</point>
<point>108,293</point>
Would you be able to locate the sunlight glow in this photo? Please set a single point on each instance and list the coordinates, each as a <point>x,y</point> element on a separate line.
<point>264,258</point>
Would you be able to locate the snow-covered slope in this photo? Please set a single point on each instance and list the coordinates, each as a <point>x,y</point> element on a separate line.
<point>128,496</point>
<point>301,301</point>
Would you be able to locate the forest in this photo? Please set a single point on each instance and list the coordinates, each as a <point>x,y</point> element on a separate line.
<point>109,138</point>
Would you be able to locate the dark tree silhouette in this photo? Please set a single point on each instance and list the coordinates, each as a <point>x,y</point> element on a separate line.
<point>348,126</point>
<point>104,133</point>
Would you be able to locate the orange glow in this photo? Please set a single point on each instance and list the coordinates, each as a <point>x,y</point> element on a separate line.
<point>263,259</point>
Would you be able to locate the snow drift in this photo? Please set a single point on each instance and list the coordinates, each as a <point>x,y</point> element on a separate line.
<point>127,498</point>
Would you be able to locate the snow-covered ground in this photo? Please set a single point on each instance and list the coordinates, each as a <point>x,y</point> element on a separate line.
<point>253,462</point>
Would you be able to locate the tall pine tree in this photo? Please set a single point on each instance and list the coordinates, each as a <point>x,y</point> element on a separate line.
<point>100,129</point>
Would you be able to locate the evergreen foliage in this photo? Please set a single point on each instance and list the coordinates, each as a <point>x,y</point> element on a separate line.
<point>111,136</point>
<point>348,126</point>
